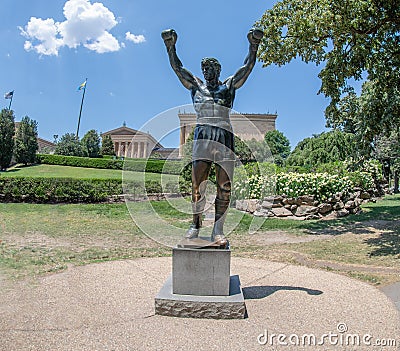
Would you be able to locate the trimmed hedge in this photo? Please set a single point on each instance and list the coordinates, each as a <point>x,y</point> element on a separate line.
<point>57,190</point>
<point>75,161</point>
<point>53,190</point>
<point>136,165</point>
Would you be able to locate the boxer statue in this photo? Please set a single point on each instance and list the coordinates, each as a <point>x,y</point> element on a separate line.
<point>213,136</point>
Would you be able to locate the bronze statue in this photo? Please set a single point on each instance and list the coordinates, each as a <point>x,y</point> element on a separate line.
<point>213,137</point>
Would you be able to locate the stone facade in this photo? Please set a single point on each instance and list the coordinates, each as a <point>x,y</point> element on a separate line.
<point>45,146</point>
<point>246,126</point>
<point>132,143</point>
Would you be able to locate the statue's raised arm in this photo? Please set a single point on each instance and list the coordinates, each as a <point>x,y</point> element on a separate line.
<point>254,36</point>
<point>187,78</point>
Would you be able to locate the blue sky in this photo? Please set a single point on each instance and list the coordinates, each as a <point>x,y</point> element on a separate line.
<point>50,47</point>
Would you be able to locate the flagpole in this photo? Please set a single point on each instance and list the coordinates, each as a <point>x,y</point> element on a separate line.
<point>80,111</point>
<point>9,106</point>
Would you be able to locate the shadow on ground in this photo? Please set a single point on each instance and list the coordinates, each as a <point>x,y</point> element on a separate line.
<point>380,216</point>
<point>259,292</point>
<point>387,244</point>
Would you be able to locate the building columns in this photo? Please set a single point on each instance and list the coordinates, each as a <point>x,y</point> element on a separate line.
<point>139,149</point>
<point>145,149</point>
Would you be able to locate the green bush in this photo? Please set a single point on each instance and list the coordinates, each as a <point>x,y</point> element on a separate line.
<point>75,161</point>
<point>136,165</point>
<point>55,190</point>
<point>71,190</point>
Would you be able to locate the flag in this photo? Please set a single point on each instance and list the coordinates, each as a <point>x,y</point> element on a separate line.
<point>9,95</point>
<point>82,86</point>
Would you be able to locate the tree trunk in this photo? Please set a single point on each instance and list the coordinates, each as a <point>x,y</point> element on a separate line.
<point>396,182</point>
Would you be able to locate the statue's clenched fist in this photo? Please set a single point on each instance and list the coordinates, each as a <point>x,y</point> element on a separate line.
<point>255,35</point>
<point>169,36</point>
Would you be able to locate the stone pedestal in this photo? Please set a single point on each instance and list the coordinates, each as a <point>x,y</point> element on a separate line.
<point>195,306</point>
<point>203,272</point>
<point>201,286</point>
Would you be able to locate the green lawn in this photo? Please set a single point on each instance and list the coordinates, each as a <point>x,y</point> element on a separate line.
<point>37,239</point>
<point>79,172</point>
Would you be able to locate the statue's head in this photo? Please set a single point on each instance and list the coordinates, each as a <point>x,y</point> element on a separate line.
<point>211,68</point>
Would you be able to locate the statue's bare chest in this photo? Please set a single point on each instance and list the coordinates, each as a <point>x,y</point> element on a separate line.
<point>219,95</point>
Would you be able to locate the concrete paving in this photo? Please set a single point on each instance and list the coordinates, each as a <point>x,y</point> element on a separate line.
<point>393,292</point>
<point>110,306</point>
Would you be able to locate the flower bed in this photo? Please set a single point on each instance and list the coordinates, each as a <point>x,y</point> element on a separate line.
<point>320,185</point>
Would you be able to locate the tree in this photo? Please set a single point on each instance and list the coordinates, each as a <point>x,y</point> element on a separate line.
<point>107,146</point>
<point>323,148</point>
<point>91,144</point>
<point>26,144</point>
<point>279,146</point>
<point>69,145</point>
<point>7,131</point>
<point>260,150</point>
<point>355,39</point>
<point>387,151</point>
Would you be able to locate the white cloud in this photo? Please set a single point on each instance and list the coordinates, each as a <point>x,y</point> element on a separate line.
<point>137,39</point>
<point>44,31</point>
<point>85,24</point>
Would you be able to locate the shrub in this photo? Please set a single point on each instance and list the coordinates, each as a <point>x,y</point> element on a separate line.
<point>53,190</point>
<point>136,165</point>
<point>58,190</point>
<point>75,161</point>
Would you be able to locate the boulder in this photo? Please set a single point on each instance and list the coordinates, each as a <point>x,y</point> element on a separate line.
<point>274,198</point>
<point>289,201</point>
<point>342,213</point>
<point>325,208</point>
<point>349,205</point>
<point>249,205</point>
<point>281,212</point>
<point>293,207</point>
<point>351,196</point>
<point>357,202</point>
<point>267,204</point>
<point>277,205</point>
<point>241,205</point>
<point>365,195</point>
<point>305,210</point>
<point>312,216</point>
<point>338,206</point>
<point>331,215</point>
<point>252,205</point>
<point>306,199</point>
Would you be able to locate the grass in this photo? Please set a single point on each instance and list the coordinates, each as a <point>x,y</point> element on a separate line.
<point>37,239</point>
<point>50,171</point>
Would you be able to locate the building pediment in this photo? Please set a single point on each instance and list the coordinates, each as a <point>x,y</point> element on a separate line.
<point>123,131</point>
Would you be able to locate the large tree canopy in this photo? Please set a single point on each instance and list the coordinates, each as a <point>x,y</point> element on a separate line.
<point>353,39</point>
<point>322,148</point>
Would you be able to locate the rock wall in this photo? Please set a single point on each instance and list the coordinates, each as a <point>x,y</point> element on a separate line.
<point>307,207</point>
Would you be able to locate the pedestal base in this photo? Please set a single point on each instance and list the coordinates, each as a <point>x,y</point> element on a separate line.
<point>193,306</point>
<point>200,271</point>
